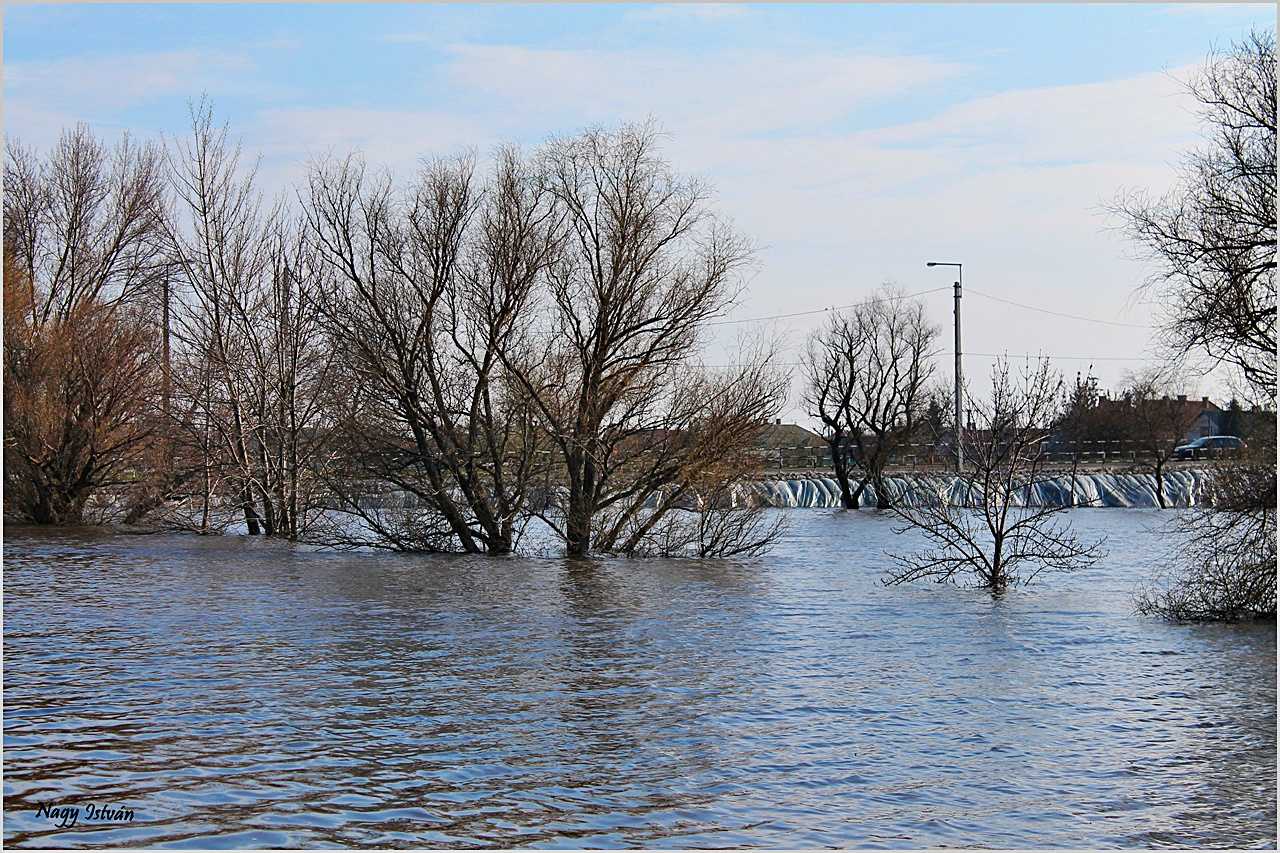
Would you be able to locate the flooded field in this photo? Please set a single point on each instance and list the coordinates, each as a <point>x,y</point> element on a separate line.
<point>224,692</point>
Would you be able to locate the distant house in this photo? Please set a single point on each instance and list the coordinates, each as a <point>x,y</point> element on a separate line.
<point>790,446</point>
<point>1207,416</point>
<point>789,436</point>
<point>1203,415</point>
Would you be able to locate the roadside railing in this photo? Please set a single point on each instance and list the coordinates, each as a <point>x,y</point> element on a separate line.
<point>923,456</point>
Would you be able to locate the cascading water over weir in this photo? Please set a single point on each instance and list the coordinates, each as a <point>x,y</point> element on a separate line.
<point>1181,489</point>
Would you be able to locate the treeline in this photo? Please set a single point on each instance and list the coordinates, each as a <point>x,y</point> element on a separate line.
<point>871,381</point>
<point>433,363</point>
<point>427,363</point>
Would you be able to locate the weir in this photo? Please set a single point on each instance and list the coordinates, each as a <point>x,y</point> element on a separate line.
<point>1181,489</point>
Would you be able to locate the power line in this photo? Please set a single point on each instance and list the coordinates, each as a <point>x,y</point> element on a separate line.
<point>983,355</point>
<point>1065,357</point>
<point>824,310</point>
<point>936,290</point>
<point>1054,313</point>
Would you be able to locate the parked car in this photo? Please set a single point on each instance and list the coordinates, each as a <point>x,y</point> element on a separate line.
<point>1210,447</point>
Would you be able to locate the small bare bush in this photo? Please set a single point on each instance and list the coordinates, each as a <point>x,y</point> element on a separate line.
<point>995,537</point>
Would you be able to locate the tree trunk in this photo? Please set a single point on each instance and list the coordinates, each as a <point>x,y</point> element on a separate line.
<point>577,526</point>
<point>855,499</point>
<point>250,512</point>
<point>883,500</point>
<point>577,523</point>
<point>841,466</point>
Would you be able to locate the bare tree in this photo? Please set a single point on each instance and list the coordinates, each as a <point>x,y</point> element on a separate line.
<point>1157,421</point>
<point>646,265</point>
<point>1214,238</point>
<point>431,296</point>
<point>480,349</point>
<point>681,487</point>
<point>82,246</point>
<point>1214,235</point>
<point>1224,564</point>
<point>252,363</point>
<point>78,399</point>
<point>991,528</point>
<point>828,396</point>
<point>84,224</point>
<point>866,380</point>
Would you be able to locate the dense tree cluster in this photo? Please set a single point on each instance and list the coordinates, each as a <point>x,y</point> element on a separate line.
<point>425,364</point>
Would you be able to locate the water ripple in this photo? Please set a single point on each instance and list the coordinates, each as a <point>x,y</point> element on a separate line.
<point>235,693</point>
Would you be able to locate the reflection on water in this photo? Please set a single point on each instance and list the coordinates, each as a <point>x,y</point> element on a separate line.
<point>244,693</point>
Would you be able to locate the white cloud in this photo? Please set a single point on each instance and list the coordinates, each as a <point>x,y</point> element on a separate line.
<point>1080,123</point>
<point>736,92</point>
<point>114,82</point>
<point>42,98</point>
<point>1010,184</point>
<point>288,138</point>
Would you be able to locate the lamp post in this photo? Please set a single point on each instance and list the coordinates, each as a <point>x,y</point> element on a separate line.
<point>959,368</point>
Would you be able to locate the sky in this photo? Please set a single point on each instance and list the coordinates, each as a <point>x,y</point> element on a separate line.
<point>853,142</point>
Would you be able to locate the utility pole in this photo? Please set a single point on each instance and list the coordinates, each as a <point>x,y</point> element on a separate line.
<point>959,366</point>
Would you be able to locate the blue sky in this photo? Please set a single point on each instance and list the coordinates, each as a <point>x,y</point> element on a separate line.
<point>855,142</point>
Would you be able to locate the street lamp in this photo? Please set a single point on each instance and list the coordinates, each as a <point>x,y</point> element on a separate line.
<point>959,369</point>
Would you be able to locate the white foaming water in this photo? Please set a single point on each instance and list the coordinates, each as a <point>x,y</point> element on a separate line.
<point>1181,489</point>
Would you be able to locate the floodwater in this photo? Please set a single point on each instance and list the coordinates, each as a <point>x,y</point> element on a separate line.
<point>236,693</point>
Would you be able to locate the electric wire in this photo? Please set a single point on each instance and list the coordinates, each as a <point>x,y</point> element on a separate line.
<point>923,293</point>
<point>936,290</point>
<point>824,310</point>
<point>1051,358</point>
<point>1054,313</point>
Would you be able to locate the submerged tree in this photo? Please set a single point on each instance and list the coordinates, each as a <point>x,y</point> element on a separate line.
<point>866,378</point>
<point>1224,566</point>
<point>250,365</point>
<point>993,525</point>
<point>82,242</point>
<point>78,400</point>
<point>482,347</point>
<point>687,481</point>
<point>611,376</point>
<point>432,288</point>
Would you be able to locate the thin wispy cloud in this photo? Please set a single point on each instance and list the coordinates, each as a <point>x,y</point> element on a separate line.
<point>746,92</point>
<point>120,81</point>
